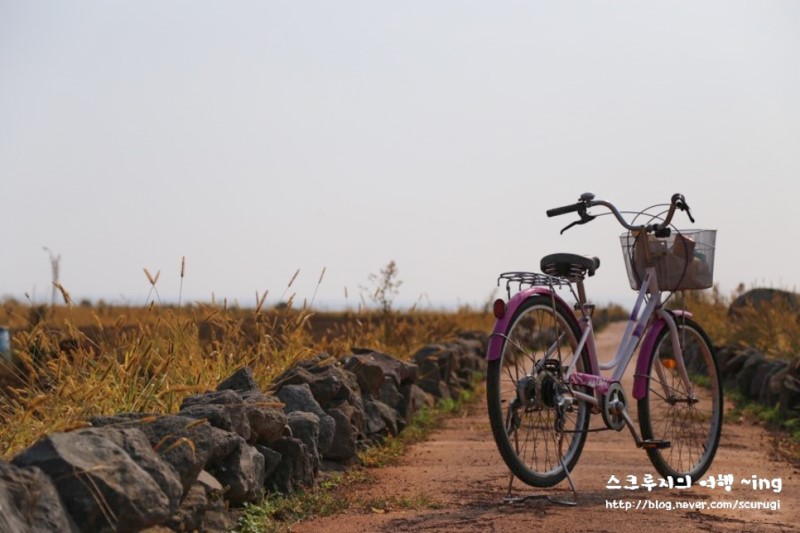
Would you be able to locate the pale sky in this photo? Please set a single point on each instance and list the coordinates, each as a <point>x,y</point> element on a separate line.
<point>258,138</point>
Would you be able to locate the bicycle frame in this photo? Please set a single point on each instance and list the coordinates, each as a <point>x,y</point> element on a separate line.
<point>639,323</point>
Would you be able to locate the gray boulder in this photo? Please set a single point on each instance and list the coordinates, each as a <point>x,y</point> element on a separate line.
<point>217,416</point>
<point>744,378</point>
<point>224,409</point>
<point>381,420</point>
<point>266,417</point>
<point>480,336</point>
<point>371,369</point>
<point>774,386</point>
<point>413,399</point>
<point>757,298</point>
<point>242,472</point>
<point>759,388</point>
<point>344,443</point>
<point>216,517</point>
<point>295,470</point>
<point>240,381</point>
<point>435,362</point>
<point>300,398</point>
<point>214,489</point>
<point>101,486</point>
<point>389,392</point>
<point>789,405</point>
<point>724,355</point>
<point>735,363</point>
<point>305,426</point>
<point>29,502</point>
<point>186,444</point>
<point>200,509</point>
<point>192,510</point>
<point>473,352</point>
<point>271,459</point>
<point>217,521</point>
<point>329,383</point>
<point>138,448</point>
<point>437,388</point>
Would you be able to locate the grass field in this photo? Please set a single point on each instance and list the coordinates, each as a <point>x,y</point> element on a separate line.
<point>76,361</point>
<point>773,328</point>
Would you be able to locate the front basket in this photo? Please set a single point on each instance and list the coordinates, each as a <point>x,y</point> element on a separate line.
<point>683,261</point>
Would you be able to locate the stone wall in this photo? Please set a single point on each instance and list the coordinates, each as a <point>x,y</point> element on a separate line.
<point>227,447</point>
<point>771,382</point>
<point>768,381</point>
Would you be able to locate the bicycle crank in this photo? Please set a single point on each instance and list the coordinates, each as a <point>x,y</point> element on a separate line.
<point>615,415</point>
<point>614,405</point>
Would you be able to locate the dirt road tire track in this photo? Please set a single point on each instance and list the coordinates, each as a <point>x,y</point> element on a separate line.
<point>456,481</point>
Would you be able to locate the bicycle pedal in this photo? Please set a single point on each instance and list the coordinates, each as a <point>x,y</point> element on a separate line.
<point>653,444</point>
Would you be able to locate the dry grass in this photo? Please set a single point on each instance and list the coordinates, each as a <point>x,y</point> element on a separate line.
<point>773,328</point>
<point>74,362</point>
<point>78,361</point>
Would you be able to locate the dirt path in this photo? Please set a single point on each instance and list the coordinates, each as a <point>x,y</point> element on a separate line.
<point>456,481</point>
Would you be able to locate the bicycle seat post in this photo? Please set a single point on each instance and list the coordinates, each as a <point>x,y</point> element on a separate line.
<point>581,293</point>
<point>583,305</point>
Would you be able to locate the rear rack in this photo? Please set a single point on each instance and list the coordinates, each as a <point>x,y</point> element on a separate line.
<point>531,279</point>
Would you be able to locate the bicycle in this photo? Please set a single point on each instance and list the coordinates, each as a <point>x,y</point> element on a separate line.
<point>544,379</point>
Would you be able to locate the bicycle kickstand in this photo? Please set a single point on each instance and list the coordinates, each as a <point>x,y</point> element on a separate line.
<point>510,498</point>
<point>517,499</point>
<point>566,470</point>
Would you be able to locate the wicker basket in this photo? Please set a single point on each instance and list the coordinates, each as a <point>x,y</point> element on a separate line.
<point>683,261</point>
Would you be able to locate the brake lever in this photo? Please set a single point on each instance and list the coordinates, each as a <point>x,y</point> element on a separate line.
<point>584,219</point>
<point>688,212</point>
<point>683,206</point>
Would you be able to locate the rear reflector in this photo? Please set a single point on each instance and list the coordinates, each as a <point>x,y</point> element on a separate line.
<point>499,309</point>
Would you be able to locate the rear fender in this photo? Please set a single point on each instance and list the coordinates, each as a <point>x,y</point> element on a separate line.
<point>497,339</point>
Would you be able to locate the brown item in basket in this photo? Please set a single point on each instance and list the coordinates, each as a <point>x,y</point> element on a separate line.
<point>683,247</point>
<point>677,268</point>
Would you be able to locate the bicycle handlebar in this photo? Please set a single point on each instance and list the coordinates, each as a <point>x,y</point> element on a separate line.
<point>587,200</point>
<point>563,210</point>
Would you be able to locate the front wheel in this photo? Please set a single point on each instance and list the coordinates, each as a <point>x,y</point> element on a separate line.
<point>523,387</point>
<point>691,420</point>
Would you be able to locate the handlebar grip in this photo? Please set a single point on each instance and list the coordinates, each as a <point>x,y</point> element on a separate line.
<point>556,211</point>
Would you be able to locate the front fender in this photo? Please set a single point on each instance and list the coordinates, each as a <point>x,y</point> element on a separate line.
<point>646,353</point>
<point>497,339</point>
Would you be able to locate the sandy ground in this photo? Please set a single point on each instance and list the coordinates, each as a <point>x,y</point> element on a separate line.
<point>456,481</point>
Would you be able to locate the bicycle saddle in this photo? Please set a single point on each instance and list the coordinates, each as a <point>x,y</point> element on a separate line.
<point>573,267</point>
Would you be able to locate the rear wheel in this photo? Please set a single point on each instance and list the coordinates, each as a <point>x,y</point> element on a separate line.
<point>523,387</point>
<point>691,420</point>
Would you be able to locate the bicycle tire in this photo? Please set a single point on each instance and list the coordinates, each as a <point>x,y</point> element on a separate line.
<point>692,428</point>
<point>538,465</point>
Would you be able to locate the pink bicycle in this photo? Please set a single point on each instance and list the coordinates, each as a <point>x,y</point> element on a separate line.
<point>544,378</point>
